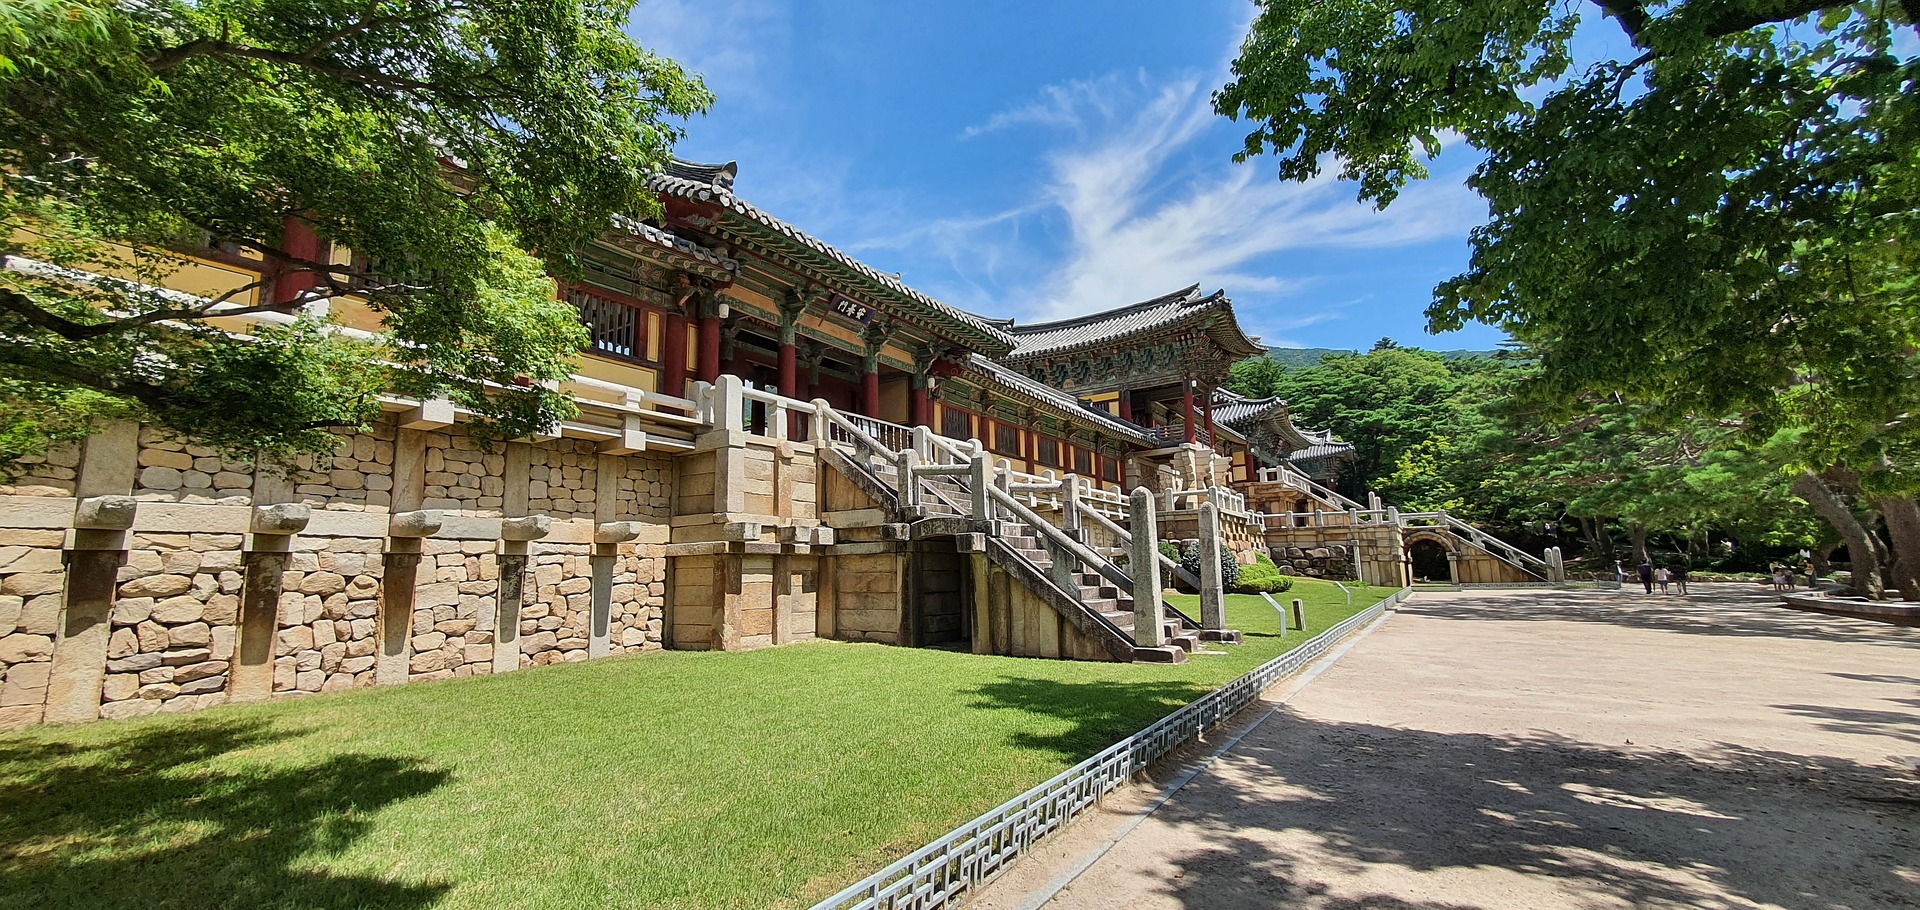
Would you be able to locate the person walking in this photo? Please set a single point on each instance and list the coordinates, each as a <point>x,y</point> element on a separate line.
<point>1680,578</point>
<point>1660,577</point>
<point>1646,575</point>
<point>1619,573</point>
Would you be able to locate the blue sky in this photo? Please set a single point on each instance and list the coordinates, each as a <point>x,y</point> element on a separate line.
<point>1044,160</point>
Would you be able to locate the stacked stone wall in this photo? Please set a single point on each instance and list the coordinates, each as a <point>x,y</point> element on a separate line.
<point>328,616</point>
<point>30,587</point>
<point>177,574</point>
<point>174,621</point>
<point>1333,561</point>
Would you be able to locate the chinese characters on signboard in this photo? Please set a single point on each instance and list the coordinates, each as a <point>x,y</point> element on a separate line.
<point>848,309</point>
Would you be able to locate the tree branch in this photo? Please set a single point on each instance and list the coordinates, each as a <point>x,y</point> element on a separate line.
<point>23,306</point>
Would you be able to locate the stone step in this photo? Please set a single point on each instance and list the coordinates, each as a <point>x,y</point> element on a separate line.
<point>1099,592</point>
<point>1188,642</point>
<point>1165,655</point>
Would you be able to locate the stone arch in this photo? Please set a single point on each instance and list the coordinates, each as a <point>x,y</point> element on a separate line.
<point>1431,556</point>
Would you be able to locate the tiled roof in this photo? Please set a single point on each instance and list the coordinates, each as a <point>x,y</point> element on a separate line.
<point>1237,410</point>
<point>1060,400</point>
<point>1320,451</point>
<point>714,184</point>
<point>1145,317</point>
<point>670,240</point>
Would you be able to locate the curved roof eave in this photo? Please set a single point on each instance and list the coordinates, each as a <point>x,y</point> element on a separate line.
<point>683,179</point>
<point>1147,317</point>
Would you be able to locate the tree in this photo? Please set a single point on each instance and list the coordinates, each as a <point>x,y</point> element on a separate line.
<point>1720,223</point>
<point>1385,402</point>
<point>435,140</point>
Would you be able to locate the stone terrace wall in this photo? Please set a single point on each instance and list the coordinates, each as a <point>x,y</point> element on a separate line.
<point>158,612</point>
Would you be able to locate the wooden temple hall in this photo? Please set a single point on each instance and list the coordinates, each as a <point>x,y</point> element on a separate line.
<point>775,442</point>
<point>1112,397</point>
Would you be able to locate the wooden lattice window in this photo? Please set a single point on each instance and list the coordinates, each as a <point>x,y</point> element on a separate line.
<point>1049,453</point>
<point>1110,469</point>
<point>1083,462</point>
<point>955,424</point>
<point>615,328</point>
<point>1006,439</point>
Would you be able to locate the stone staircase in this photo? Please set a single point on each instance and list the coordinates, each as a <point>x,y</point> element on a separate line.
<point>1089,600</point>
<point>1097,594</point>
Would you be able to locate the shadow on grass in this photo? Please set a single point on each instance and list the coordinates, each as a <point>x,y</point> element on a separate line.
<point>1360,802</point>
<point>1098,713</point>
<point>164,818</point>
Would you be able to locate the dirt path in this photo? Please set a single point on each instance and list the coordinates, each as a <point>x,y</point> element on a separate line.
<point>1535,750</point>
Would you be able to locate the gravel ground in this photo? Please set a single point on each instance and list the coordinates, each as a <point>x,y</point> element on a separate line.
<point>1540,749</point>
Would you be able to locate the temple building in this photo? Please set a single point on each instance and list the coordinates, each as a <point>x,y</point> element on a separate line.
<point>775,442</point>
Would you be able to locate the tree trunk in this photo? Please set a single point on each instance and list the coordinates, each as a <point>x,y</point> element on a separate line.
<point>1603,536</point>
<point>1862,547</point>
<point>1903,526</point>
<point>1640,554</point>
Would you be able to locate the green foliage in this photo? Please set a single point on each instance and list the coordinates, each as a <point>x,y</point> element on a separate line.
<point>436,140</point>
<point>1389,403</point>
<point>1190,560</point>
<point>1719,221</point>
<point>1263,577</point>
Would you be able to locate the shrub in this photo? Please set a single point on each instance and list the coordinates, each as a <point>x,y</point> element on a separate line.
<point>1263,577</point>
<point>1190,561</point>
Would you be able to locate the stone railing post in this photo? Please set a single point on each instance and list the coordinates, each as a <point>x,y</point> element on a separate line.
<point>909,462</point>
<point>1070,507</point>
<point>1213,597</point>
<point>1143,564</point>
<point>817,428</point>
<point>977,483</point>
<point>729,403</point>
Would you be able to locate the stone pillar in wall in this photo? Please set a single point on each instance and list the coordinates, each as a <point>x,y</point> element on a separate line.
<point>103,516</point>
<point>268,551</point>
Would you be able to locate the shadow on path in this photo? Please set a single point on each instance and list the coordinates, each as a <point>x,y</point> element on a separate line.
<point>1596,824</point>
<point>1710,610</point>
<point>151,820</point>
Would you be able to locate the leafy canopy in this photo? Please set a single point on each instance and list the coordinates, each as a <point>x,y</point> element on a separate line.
<point>1721,222</point>
<point>435,140</point>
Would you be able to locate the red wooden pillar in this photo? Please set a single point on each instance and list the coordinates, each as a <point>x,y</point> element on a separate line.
<point>709,366</point>
<point>297,240</point>
<point>870,391</point>
<point>1212,440</point>
<point>789,370</point>
<point>673,355</point>
<point>919,405</point>
<point>1186,412</point>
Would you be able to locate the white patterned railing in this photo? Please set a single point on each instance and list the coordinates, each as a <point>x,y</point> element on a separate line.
<point>941,873</point>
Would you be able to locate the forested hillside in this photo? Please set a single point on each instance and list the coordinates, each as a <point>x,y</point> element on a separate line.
<point>1432,431</point>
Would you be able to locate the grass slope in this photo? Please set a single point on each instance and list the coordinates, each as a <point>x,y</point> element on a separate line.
<point>768,778</point>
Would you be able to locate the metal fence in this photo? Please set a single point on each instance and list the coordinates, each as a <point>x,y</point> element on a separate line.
<point>969,856</point>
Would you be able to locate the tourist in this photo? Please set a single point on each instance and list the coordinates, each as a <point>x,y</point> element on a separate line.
<point>1779,578</point>
<point>1646,575</point>
<point>1680,578</point>
<point>1660,577</point>
<point>1619,573</point>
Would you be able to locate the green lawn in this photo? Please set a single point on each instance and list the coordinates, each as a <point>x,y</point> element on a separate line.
<point>770,778</point>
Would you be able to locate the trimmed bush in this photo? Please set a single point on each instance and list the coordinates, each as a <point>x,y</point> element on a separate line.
<point>1263,577</point>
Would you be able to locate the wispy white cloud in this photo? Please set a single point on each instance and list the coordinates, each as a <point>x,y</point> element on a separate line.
<point>1149,203</point>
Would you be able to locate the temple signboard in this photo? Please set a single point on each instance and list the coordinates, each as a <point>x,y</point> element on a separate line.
<point>847,308</point>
